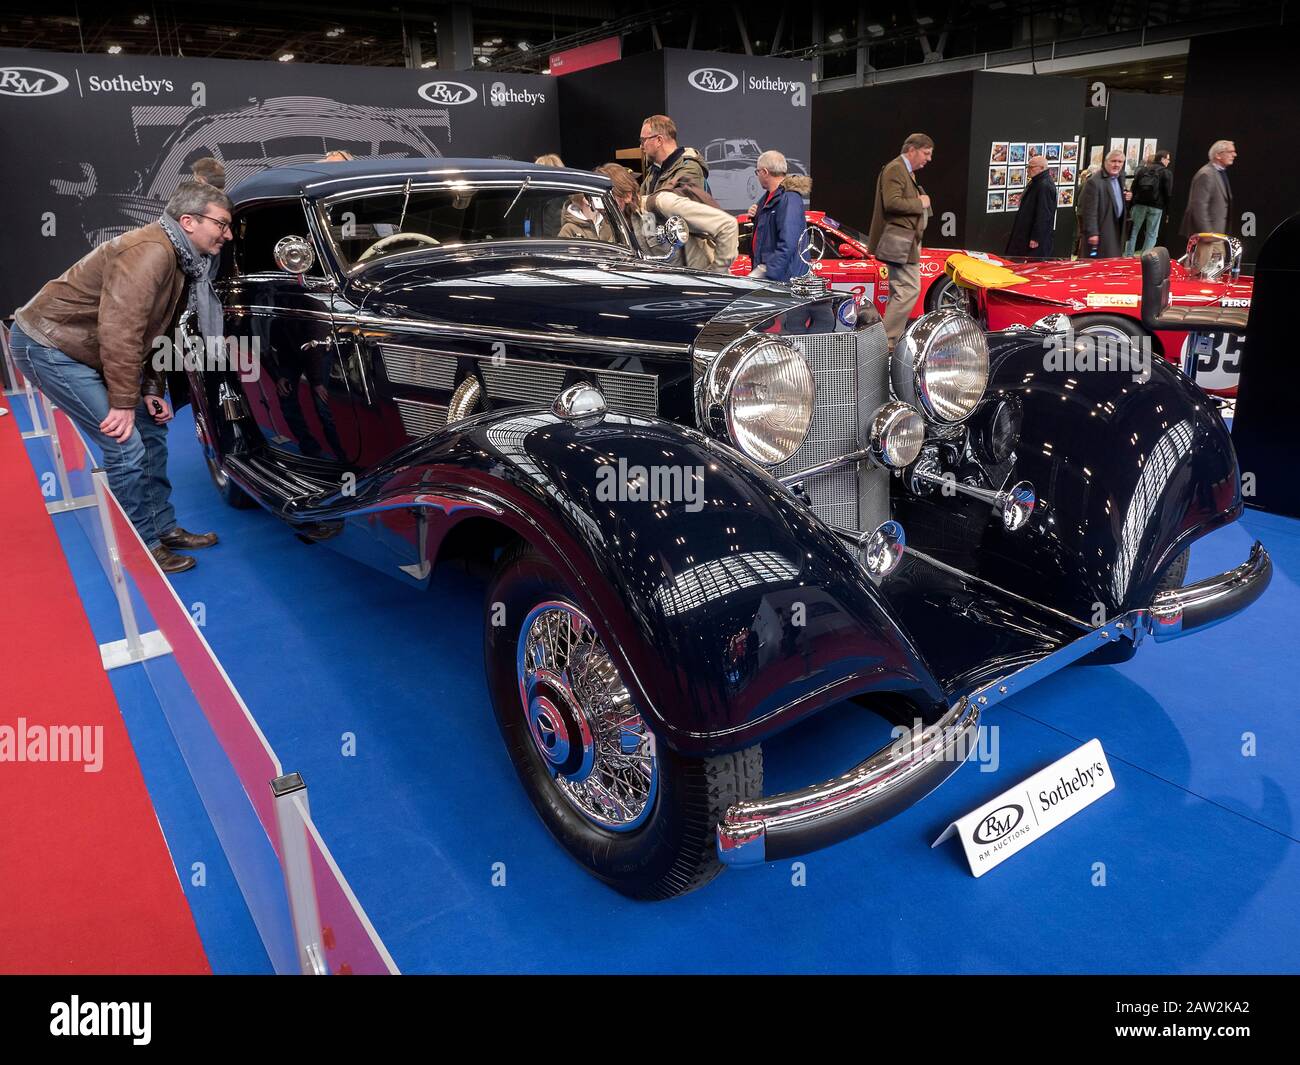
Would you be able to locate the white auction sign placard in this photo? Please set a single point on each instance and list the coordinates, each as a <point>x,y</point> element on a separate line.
<point>1024,813</point>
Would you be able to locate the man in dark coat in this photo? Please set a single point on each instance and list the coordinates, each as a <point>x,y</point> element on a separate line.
<point>1209,201</point>
<point>1101,216</point>
<point>1035,222</point>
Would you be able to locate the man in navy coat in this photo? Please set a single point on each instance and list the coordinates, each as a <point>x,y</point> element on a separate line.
<point>1035,221</point>
<point>779,223</point>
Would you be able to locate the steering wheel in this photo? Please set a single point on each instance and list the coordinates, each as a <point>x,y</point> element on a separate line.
<point>393,238</point>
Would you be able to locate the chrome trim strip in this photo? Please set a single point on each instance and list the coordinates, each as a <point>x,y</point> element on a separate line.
<point>851,459</point>
<point>553,340</point>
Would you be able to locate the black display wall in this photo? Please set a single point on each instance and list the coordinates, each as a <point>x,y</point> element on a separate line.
<point>104,140</point>
<point>1020,108</point>
<point>857,131</point>
<point>730,107</point>
<point>601,108</point>
<point>1241,87</point>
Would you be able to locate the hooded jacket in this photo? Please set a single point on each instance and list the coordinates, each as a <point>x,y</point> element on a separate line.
<point>577,226</point>
<point>778,226</point>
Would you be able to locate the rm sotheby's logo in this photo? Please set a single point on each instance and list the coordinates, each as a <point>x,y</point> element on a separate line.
<point>500,94</point>
<point>30,81</point>
<point>999,823</point>
<point>713,79</point>
<point>448,92</point>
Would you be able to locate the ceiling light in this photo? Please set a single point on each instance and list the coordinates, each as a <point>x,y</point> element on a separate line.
<point>876,30</point>
<point>141,20</point>
<point>924,20</point>
<point>524,46</point>
<point>337,31</point>
<point>1169,77</point>
<point>484,59</point>
<point>429,63</point>
<point>837,37</point>
<point>286,57</point>
<point>114,49</point>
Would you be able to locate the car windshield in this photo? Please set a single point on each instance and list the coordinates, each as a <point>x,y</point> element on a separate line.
<point>848,231</point>
<point>370,227</point>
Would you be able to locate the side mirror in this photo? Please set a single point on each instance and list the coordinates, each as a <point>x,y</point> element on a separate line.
<point>850,251</point>
<point>1211,255</point>
<point>294,255</point>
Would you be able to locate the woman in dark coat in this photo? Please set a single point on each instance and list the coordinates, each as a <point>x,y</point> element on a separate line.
<point>1035,221</point>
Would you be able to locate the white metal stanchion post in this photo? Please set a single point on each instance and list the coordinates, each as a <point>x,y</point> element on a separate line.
<point>290,794</point>
<point>11,371</point>
<point>135,647</point>
<point>33,412</point>
<point>66,500</point>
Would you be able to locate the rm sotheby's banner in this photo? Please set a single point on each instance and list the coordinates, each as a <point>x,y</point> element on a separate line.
<point>96,144</point>
<point>731,107</point>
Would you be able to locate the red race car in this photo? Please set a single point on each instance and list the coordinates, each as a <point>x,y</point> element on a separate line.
<point>849,267</point>
<point>1103,297</point>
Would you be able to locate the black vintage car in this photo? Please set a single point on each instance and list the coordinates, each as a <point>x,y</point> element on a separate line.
<point>711,506</point>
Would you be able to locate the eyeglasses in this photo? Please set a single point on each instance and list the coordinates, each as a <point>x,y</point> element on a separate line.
<point>221,224</point>
<point>650,137</point>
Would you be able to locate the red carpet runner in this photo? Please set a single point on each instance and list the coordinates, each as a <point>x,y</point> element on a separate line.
<point>86,882</point>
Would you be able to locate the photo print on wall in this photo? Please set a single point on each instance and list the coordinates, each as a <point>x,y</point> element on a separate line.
<point>1032,150</point>
<point>1015,152</point>
<point>1070,152</point>
<point>998,154</point>
<point>1149,147</point>
<point>1052,152</point>
<point>1065,196</point>
<point>997,177</point>
<point>996,203</point>
<point>1015,177</point>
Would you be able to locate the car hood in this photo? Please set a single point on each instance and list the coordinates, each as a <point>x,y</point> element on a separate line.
<point>1071,283</point>
<point>588,296</point>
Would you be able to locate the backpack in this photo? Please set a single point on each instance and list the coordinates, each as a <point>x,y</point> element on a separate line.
<point>1146,186</point>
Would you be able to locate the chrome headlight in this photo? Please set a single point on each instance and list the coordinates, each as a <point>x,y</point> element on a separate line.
<point>941,365</point>
<point>896,435</point>
<point>764,390</point>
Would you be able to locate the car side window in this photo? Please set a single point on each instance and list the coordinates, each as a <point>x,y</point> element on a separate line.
<point>257,230</point>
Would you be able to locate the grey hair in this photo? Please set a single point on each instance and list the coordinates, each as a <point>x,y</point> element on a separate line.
<point>1114,152</point>
<point>194,198</point>
<point>1219,146</point>
<point>773,162</point>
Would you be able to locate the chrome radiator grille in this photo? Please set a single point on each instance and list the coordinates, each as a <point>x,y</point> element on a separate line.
<point>851,376</point>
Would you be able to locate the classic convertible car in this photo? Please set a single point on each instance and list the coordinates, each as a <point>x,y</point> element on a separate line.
<point>1103,298</point>
<point>712,507</point>
<point>838,252</point>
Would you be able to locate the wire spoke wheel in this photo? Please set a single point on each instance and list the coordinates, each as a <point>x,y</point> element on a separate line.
<point>583,721</point>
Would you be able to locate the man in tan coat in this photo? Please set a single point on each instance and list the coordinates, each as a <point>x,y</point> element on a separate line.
<point>898,220</point>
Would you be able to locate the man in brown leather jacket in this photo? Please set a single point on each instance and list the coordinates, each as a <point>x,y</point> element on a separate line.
<point>87,341</point>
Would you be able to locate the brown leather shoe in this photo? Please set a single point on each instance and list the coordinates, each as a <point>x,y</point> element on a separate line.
<point>169,561</point>
<point>178,537</point>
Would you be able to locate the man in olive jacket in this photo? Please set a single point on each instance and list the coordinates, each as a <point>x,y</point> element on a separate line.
<point>898,220</point>
<point>672,169</point>
<point>88,340</point>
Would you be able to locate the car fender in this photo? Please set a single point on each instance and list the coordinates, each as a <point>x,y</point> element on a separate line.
<point>731,610</point>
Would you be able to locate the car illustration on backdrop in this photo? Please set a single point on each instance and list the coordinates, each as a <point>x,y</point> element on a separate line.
<point>731,162</point>
<point>838,253</point>
<point>1103,297</point>
<point>278,131</point>
<point>710,506</point>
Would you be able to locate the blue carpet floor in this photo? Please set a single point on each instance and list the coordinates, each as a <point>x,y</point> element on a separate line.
<point>375,693</point>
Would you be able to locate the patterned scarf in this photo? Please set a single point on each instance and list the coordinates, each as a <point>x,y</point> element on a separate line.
<point>203,299</point>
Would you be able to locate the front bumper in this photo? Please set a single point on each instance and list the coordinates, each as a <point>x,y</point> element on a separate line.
<point>896,776</point>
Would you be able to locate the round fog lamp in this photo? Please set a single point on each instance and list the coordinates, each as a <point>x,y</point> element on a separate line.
<point>896,434</point>
<point>884,548</point>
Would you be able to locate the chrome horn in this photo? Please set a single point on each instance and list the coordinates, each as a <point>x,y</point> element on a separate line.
<point>1015,506</point>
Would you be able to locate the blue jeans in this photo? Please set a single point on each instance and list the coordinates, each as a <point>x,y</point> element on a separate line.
<point>137,469</point>
<point>1140,214</point>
